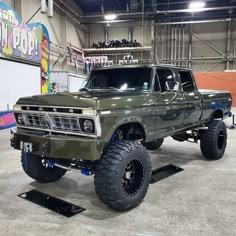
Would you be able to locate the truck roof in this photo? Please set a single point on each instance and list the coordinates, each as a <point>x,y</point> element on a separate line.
<point>140,65</point>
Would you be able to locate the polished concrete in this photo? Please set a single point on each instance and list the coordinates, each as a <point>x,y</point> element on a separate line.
<point>201,200</point>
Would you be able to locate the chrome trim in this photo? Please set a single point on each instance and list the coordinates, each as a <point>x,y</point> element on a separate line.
<point>78,108</point>
<point>51,114</point>
<point>98,127</point>
<point>55,113</point>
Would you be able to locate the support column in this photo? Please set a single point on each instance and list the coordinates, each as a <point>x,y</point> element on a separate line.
<point>162,43</point>
<point>17,5</point>
<point>190,46</point>
<point>106,33</point>
<point>64,63</point>
<point>131,33</point>
<point>228,45</point>
<point>152,54</point>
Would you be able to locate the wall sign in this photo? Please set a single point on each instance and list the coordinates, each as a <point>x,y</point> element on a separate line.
<point>29,42</point>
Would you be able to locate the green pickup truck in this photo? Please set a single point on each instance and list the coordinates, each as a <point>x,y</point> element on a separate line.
<point>107,127</point>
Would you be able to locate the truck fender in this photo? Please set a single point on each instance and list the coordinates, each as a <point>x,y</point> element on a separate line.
<point>128,120</point>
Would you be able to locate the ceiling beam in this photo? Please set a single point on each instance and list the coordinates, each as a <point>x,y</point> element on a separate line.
<point>125,14</point>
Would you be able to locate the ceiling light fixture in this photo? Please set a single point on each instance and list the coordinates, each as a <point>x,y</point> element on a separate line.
<point>110,17</point>
<point>196,6</point>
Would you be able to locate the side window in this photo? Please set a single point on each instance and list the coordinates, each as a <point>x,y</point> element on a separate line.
<point>186,81</point>
<point>164,75</point>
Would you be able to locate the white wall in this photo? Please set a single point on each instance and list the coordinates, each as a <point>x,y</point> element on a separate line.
<point>15,86</point>
<point>214,34</point>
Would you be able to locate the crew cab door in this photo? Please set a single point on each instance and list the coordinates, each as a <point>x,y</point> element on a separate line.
<point>169,104</point>
<point>192,99</point>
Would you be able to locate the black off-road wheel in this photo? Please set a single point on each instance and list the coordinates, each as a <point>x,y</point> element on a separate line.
<point>154,145</point>
<point>122,175</point>
<point>38,168</point>
<point>214,140</point>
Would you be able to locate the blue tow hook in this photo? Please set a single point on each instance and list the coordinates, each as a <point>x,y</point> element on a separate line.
<point>85,171</point>
<point>51,163</point>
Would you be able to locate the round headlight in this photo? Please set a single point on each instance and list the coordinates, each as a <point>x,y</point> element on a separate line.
<point>20,119</point>
<point>88,126</point>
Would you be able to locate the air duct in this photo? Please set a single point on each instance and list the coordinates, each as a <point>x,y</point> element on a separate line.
<point>43,6</point>
<point>50,8</point>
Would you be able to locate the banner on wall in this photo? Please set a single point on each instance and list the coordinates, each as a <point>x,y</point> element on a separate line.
<point>7,120</point>
<point>29,42</point>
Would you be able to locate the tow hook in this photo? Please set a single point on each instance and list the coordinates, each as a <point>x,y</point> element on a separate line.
<point>51,163</point>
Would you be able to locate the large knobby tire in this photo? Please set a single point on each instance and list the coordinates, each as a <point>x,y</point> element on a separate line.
<point>214,140</point>
<point>37,168</point>
<point>154,145</point>
<point>122,175</point>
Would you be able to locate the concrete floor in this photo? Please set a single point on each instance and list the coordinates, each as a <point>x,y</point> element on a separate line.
<point>201,200</point>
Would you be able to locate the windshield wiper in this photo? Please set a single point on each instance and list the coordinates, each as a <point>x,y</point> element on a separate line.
<point>85,89</point>
<point>116,89</point>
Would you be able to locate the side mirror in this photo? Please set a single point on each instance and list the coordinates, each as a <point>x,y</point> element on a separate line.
<point>172,86</point>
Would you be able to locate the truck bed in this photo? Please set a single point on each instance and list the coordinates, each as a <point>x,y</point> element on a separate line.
<point>215,100</point>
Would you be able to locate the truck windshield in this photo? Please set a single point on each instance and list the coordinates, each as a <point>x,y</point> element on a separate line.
<point>120,79</point>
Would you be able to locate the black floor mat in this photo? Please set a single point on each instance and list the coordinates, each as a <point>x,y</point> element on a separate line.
<point>52,203</point>
<point>164,172</point>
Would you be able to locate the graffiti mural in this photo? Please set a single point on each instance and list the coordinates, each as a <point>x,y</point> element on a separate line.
<point>29,42</point>
<point>7,120</point>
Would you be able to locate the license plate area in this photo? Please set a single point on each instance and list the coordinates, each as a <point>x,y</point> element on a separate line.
<point>26,146</point>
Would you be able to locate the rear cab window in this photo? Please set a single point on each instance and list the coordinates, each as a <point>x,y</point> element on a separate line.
<point>187,82</point>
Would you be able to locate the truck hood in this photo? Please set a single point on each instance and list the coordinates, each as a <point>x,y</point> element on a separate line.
<point>101,100</point>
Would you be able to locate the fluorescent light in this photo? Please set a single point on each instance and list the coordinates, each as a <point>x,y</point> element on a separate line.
<point>197,6</point>
<point>110,17</point>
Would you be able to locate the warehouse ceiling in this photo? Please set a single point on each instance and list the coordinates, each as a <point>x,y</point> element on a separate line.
<point>95,6</point>
<point>157,10</point>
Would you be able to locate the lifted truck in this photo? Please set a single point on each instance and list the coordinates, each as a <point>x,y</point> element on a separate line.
<point>107,127</point>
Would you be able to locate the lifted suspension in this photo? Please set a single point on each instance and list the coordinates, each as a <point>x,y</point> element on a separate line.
<point>76,166</point>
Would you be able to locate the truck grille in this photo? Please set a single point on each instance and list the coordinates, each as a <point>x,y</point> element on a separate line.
<point>36,120</point>
<point>64,120</point>
<point>63,123</point>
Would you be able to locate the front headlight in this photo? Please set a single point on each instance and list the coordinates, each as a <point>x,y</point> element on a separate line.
<point>19,119</point>
<point>17,108</point>
<point>88,126</point>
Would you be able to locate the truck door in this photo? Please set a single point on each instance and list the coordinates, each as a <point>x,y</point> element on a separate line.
<point>192,98</point>
<point>169,103</point>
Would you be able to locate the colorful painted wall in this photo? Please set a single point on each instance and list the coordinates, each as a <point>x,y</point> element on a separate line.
<point>7,120</point>
<point>218,81</point>
<point>29,43</point>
